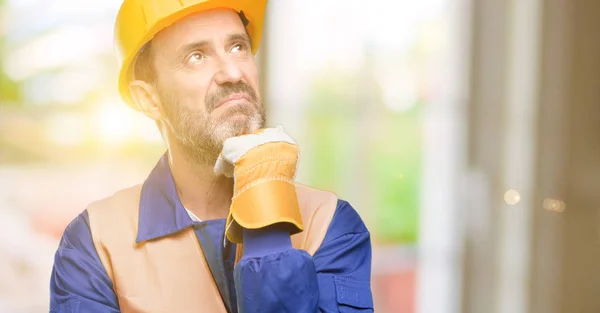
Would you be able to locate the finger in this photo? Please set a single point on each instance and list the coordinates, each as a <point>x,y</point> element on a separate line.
<point>220,166</point>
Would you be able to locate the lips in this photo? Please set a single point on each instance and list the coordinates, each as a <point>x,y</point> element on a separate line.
<point>232,98</point>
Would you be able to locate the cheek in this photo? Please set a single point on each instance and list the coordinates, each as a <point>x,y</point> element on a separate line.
<point>190,88</point>
<point>251,74</point>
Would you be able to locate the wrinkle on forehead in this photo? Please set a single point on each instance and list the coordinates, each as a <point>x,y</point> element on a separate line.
<point>198,26</point>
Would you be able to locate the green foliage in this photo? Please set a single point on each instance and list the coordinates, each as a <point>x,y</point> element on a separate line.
<point>9,90</point>
<point>381,158</point>
<point>396,177</point>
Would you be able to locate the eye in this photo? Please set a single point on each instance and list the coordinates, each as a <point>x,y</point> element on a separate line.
<point>238,47</point>
<point>196,58</point>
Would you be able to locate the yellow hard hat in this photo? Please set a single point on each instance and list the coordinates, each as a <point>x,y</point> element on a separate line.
<point>139,20</point>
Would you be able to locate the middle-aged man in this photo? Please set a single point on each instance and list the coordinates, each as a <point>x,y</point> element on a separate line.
<point>219,224</point>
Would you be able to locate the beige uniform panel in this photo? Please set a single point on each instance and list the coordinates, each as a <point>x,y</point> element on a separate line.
<point>170,274</point>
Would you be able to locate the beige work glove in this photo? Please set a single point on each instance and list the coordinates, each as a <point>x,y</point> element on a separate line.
<point>263,166</point>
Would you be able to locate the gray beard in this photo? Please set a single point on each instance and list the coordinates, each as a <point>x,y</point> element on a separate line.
<point>202,138</point>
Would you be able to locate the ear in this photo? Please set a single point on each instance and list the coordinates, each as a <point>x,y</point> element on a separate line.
<point>146,98</point>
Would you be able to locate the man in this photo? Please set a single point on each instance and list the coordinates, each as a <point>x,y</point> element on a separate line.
<point>219,225</point>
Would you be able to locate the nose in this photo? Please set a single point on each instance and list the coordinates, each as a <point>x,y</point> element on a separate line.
<point>228,72</point>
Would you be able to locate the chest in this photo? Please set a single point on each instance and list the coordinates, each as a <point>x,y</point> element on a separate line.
<point>172,274</point>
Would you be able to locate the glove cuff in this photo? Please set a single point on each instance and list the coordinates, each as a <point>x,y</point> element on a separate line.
<point>268,203</point>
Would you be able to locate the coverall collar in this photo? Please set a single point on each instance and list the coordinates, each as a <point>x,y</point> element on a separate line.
<point>161,212</point>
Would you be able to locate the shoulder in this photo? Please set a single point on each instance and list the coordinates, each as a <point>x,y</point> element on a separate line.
<point>311,200</point>
<point>121,206</point>
<point>347,242</point>
<point>346,220</point>
<point>317,208</point>
<point>122,197</point>
<point>78,275</point>
<point>325,217</point>
<point>324,205</point>
<point>115,216</point>
<point>77,234</point>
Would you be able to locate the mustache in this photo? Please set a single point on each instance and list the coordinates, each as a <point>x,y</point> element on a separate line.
<point>226,90</point>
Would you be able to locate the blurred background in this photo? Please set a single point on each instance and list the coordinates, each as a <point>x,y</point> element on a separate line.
<point>465,132</point>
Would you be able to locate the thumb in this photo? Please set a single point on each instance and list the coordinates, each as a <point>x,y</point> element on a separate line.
<point>223,167</point>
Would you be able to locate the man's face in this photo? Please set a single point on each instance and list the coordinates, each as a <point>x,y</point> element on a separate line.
<point>207,82</point>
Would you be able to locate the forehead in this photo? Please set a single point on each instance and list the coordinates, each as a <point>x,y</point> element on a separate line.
<point>203,26</point>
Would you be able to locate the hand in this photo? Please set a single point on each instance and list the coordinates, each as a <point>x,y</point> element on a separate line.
<point>263,166</point>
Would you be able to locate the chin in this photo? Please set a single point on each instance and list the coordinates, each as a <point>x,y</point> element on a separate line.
<point>238,125</point>
<point>228,129</point>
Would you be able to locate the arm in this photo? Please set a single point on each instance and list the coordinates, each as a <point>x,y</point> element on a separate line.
<point>272,276</point>
<point>79,282</point>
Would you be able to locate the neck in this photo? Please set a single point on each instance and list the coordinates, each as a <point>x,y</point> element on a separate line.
<point>208,196</point>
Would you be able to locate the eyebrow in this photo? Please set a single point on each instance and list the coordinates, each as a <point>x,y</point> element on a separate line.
<point>240,37</point>
<point>202,44</point>
<point>187,48</point>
